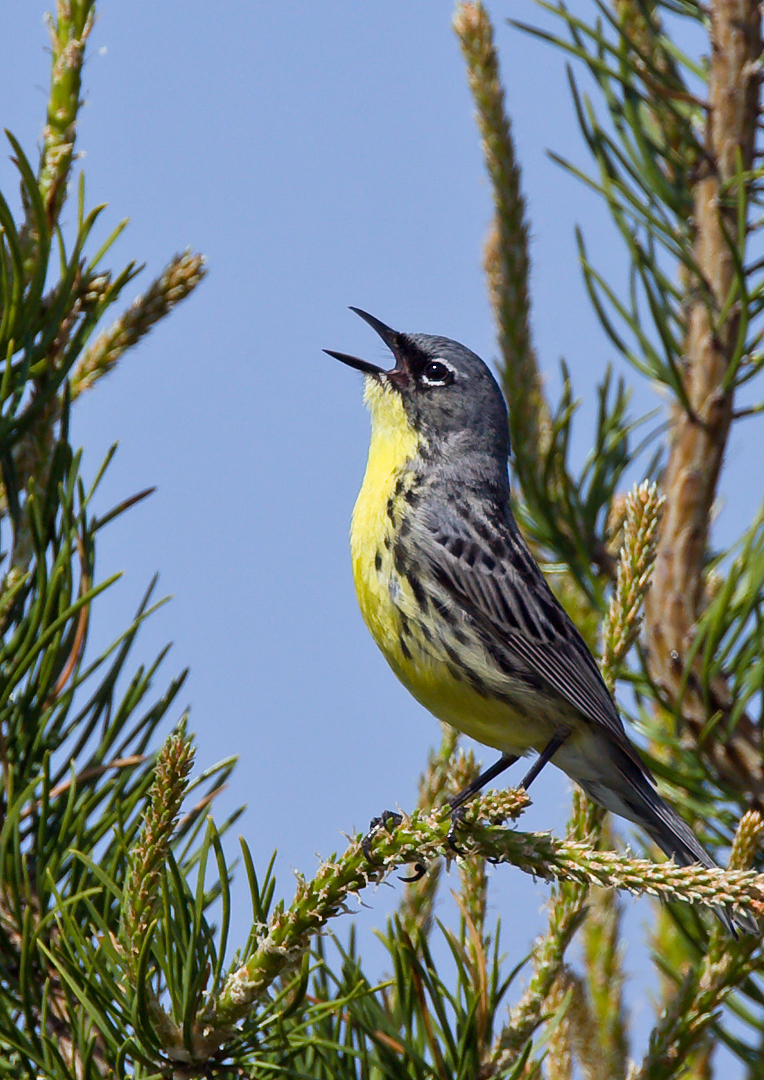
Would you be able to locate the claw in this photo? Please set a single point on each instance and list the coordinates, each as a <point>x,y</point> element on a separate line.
<point>419,871</point>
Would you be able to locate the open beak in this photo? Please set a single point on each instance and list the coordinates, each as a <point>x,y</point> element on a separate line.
<point>397,376</point>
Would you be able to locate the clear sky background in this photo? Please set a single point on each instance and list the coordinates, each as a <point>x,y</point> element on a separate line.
<point>320,155</point>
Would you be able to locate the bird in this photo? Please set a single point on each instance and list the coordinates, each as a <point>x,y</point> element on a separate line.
<point>459,607</point>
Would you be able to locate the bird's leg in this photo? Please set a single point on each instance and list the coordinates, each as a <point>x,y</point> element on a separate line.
<point>548,752</point>
<point>457,814</point>
<point>480,781</point>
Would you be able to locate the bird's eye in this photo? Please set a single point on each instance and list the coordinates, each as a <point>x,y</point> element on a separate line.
<point>436,373</point>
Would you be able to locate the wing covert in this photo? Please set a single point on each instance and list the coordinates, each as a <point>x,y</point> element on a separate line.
<point>485,567</point>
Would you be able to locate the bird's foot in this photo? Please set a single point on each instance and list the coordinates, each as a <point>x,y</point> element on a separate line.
<point>457,818</point>
<point>389,820</point>
<point>385,820</point>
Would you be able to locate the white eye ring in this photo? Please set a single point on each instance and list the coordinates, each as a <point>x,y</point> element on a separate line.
<point>437,373</point>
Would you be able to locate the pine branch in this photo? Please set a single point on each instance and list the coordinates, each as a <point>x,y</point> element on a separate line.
<point>603,957</point>
<point>582,1034</point>
<point>507,263</point>
<point>422,838</point>
<point>701,423</point>
<point>179,278</point>
<point>568,906</point>
<point>642,512</point>
<point>682,1027</point>
<point>560,1061</point>
<point>416,908</point>
<point>68,35</point>
<point>473,879</point>
<point>150,853</point>
<point>567,910</point>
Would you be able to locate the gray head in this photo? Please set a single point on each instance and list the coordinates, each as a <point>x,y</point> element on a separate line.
<point>448,393</point>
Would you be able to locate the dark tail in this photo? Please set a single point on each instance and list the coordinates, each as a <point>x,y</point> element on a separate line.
<point>675,838</point>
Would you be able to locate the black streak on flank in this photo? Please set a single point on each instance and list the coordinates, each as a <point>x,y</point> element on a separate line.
<point>466,673</point>
<point>404,648</point>
<point>513,703</point>
<point>391,510</point>
<point>378,561</point>
<point>502,661</point>
<point>454,672</point>
<point>416,587</point>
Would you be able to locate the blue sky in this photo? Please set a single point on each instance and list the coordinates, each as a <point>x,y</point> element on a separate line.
<point>320,155</point>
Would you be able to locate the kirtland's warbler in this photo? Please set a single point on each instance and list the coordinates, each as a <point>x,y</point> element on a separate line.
<point>456,602</point>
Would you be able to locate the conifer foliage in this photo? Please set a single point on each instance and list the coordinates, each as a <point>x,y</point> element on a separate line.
<point>109,862</point>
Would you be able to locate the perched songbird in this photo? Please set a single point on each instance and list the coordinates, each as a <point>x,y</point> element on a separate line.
<point>457,604</point>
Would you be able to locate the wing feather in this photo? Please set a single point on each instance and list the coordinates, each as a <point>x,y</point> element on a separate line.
<point>487,570</point>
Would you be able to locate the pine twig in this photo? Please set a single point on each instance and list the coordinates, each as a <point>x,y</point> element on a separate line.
<point>507,262</point>
<point>473,898</point>
<point>149,855</point>
<point>420,838</point>
<point>68,35</point>
<point>568,904</point>
<point>559,1060</point>
<point>578,1027</point>
<point>567,907</point>
<point>643,509</point>
<point>416,907</point>
<point>179,278</point>
<point>700,428</point>
<point>684,1024</point>
<point>602,950</point>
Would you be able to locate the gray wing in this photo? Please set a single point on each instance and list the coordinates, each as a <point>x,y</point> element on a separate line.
<point>486,569</point>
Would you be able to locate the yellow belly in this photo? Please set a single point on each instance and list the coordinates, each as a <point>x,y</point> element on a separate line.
<point>489,720</point>
<point>391,612</point>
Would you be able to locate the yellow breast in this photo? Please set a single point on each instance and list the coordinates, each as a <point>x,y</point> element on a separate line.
<point>393,446</point>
